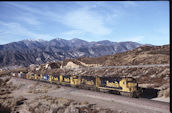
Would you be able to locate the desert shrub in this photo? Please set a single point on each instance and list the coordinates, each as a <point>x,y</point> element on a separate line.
<point>4,109</point>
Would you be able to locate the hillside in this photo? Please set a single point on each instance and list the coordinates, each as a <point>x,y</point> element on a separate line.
<point>26,52</point>
<point>138,56</point>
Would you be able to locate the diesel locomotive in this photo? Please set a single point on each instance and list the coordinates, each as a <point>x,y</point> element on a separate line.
<point>126,86</point>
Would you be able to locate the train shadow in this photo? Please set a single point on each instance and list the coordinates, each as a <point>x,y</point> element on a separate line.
<point>149,93</point>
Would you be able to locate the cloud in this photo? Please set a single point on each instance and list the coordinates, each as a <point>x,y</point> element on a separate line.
<point>86,21</point>
<point>33,10</point>
<point>9,30</point>
<point>82,18</point>
<point>29,20</point>
<point>26,13</point>
<point>30,14</point>
<point>24,6</point>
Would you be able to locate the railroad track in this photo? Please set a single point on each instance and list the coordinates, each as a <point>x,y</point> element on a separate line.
<point>111,100</point>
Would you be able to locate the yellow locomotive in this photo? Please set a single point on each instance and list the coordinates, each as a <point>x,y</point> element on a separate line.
<point>126,86</point>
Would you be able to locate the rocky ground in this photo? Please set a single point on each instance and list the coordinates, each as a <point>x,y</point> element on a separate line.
<point>7,102</point>
<point>32,97</point>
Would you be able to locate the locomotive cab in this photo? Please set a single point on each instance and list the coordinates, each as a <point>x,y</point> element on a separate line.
<point>131,84</point>
<point>130,87</point>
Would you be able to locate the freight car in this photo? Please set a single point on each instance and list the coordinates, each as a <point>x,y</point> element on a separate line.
<point>126,86</point>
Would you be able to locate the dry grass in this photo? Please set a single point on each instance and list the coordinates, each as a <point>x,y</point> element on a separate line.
<point>39,88</point>
<point>46,103</point>
<point>6,101</point>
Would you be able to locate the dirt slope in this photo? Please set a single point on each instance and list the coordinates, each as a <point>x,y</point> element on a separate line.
<point>140,55</point>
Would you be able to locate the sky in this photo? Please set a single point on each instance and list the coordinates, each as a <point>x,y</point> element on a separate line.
<point>145,22</point>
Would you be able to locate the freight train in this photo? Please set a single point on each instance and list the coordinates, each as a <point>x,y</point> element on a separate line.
<point>126,86</point>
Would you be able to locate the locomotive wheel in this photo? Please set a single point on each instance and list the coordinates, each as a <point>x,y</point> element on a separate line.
<point>135,95</point>
<point>126,94</point>
<point>115,92</point>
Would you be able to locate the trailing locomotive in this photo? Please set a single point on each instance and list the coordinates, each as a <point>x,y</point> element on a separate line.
<point>126,86</point>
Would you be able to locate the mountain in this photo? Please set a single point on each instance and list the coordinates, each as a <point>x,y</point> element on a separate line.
<point>28,52</point>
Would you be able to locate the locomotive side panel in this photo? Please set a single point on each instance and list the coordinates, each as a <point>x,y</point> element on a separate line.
<point>88,82</point>
<point>56,79</point>
<point>75,81</point>
<point>65,79</point>
<point>110,83</point>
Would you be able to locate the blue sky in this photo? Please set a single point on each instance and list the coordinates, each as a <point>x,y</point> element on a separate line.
<point>146,22</point>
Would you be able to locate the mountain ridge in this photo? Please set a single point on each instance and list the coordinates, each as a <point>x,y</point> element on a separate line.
<point>28,52</point>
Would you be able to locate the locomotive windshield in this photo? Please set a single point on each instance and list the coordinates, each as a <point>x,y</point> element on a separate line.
<point>131,80</point>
